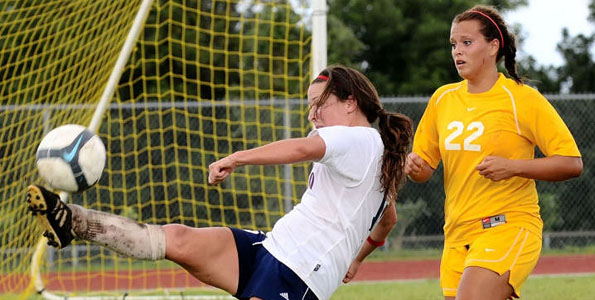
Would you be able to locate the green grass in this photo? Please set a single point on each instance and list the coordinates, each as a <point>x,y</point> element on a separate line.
<point>422,289</point>
<point>576,287</point>
<point>536,288</point>
<point>590,249</point>
<point>198,291</point>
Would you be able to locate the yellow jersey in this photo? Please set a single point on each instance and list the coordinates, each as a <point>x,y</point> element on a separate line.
<point>461,129</point>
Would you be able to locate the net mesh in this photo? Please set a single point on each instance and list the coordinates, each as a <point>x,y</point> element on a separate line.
<point>205,78</point>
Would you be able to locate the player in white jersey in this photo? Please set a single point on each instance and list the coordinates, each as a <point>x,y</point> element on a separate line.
<point>350,198</point>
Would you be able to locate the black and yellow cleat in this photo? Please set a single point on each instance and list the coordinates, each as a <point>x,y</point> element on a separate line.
<point>53,214</point>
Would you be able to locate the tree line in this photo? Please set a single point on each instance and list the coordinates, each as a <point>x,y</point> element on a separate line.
<point>403,46</point>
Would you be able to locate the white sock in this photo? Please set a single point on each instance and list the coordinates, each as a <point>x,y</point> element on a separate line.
<point>123,235</point>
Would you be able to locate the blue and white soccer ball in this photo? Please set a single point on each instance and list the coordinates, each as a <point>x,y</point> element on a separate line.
<point>70,158</point>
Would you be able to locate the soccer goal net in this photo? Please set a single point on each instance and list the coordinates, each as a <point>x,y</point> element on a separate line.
<point>201,79</point>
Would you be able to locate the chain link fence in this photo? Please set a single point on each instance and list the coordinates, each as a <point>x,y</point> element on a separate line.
<point>567,208</point>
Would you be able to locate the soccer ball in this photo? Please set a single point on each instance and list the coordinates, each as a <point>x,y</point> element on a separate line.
<point>70,158</point>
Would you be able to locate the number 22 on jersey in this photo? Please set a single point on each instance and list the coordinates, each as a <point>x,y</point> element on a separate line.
<point>470,133</point>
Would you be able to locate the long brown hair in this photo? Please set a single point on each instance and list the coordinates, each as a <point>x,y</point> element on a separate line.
<point>395,129</point>
<point>496,30</point>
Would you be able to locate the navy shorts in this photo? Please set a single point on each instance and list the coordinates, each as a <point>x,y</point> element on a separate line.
<point>262,275</point>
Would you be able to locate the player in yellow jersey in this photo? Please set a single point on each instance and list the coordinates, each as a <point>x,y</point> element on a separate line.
<point>485,129</point>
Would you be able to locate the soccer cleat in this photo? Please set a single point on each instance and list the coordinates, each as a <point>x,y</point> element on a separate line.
<point>53,214</point>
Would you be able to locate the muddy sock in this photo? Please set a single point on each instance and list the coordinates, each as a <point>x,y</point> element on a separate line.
<point>123,235</point>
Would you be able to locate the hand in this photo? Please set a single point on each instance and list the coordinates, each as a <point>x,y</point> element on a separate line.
<point>351,271</point>
<point>496,168</point>
<point>220,169</point>
<point>413,164</point>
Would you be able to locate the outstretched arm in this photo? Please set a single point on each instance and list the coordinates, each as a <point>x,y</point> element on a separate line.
<point>551,168</point>
<point>378,234</point>
<point>276,153</point>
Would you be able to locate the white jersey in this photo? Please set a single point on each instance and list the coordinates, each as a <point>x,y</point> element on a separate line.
<point>322,235</point>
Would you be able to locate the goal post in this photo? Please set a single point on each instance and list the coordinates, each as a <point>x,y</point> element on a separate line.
<point>116,73</point>
<point>203,79</point>
<point>319,43</point>
<point>112,82</point>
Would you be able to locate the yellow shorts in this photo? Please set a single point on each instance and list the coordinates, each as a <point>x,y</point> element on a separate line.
<point>500,249</point>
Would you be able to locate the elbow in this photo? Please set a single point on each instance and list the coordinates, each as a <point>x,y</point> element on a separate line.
<point>571,168</point>
<point>392,225</point>
<point>577,167</point>
<point>389,221</point>
<point>389,224</point>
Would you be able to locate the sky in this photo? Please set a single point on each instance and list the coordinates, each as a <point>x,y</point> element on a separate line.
<point>542,22</point>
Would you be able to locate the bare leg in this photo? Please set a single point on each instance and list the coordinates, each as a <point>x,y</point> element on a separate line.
<point>480,283</point>
<point>209,254</point>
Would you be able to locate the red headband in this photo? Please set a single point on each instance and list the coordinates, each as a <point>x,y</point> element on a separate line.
<point>325,78</point>
<point>493,22</point>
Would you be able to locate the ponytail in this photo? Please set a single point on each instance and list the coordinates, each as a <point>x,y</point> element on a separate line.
<point>396,131</point>
<point>510,60</point>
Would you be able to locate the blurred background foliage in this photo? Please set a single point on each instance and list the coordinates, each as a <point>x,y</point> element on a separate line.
<point>403,46</point>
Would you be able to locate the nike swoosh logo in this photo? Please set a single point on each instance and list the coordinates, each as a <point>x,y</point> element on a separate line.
<point>489,250</point>
<point>68,156</point>
<point>470,108</point>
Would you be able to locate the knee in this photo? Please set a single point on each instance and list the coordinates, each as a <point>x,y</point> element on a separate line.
<point>176,236</point>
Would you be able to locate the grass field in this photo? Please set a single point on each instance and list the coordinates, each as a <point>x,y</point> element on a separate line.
<point>566,287</point>
<point>536,288</point>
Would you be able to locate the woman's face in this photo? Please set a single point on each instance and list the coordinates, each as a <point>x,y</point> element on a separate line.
<point>471,53</point>
<point>331,112</point>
